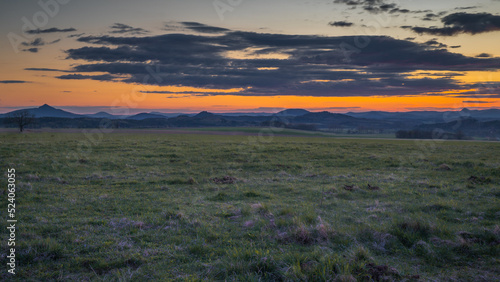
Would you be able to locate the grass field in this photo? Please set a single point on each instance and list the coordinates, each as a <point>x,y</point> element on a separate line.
<point>289,132</point>
<point>206,207</point>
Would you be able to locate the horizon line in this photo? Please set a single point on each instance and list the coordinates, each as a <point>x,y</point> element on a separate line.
<point>135,111</point>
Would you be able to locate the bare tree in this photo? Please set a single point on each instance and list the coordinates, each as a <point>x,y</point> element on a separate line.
<point>21,119</point>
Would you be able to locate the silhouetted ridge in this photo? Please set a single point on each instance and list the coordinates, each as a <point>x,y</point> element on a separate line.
<point>204,114</point>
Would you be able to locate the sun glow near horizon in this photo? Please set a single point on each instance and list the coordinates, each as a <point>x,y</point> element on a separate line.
<point>295,60</point>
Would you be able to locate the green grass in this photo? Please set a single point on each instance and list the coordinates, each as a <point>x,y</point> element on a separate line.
<point>259,130</point>
<point>284,131</point>
<point>153,206</point>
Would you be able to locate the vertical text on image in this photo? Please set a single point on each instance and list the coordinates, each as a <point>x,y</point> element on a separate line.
<point>11,221</point>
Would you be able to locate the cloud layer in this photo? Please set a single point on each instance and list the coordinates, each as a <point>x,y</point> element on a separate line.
<point>341,24</point>
<point>463,23</point>
<point>126,29</point>
<point>375,6</point>
<point>36,43</point>
<point>265,64</point>
<point>50,30</point>
<point>13,81</point>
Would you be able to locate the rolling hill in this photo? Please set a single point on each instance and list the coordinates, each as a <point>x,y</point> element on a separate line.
<point>46,111</point>
<point>484,123</point>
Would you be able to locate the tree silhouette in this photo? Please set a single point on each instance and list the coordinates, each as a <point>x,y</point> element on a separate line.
<point>21,119</point>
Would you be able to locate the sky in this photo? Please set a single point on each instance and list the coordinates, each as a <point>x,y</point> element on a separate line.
<point>126,57</point>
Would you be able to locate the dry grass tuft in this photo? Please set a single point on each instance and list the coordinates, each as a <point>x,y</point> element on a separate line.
<point>373,188</point>
<point>350,187</point>
<point>444,167</point>
<point>302,235</point>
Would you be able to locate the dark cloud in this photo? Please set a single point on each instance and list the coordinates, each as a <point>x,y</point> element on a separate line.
<point>446,31</point>
<point>374,6</point>
<point>361,2</point>
<point>50,30</point>
<point>476,102</point>
<point>43,69</point>
<point>458,23</point>
<point>178,92</point>
<point>433,16</point>
<point>341,24</point>
<point>398,10</point>
<point>434,42</point>
<point>199,27</point>
<point>307,65</point>
<point>455,46</point>
<point>36,44</point>
<point>480,91</point>
<point>421,11</point>
<point>123,28</point>
<point>484,55</point>
<point>103,77</point>
<point>75,35</point>
<point>429,17</point>
<point>13,81</point>
<point>477,96</point>
<point>466,8</point>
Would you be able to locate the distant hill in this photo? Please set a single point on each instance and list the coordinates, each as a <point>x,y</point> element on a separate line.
<point>322,117</point>
<point>293,112</point>
<point>484,123</point>
<point>46,111</point>
<point>204,114</point>
<point>237,114</point>
<point>169,115</point>
<point>142,116</point>
<point>492,114</point>
<point>329,120</point>
<point>429,116</point>
<point>102,115</point>
<point>467,126</point>
<point>202,119</point>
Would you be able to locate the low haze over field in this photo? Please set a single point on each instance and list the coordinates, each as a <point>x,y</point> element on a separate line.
<point>126,57</point>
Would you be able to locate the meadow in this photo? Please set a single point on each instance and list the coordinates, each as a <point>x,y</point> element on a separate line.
<point>131,207</point>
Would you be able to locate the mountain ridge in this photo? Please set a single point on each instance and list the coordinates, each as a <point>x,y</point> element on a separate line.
<point>478,122</point>
<point>48,111</point>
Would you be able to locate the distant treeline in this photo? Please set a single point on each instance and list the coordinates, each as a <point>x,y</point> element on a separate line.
<point>336,123</point>
<point>424,134</point>
<point>281,124</point>
<point>52,122</point>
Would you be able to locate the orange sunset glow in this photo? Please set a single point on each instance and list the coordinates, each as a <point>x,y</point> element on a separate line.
<point>223,62</point>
